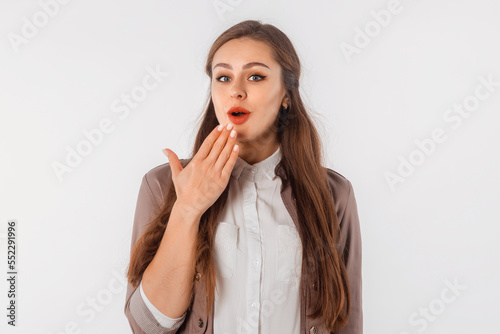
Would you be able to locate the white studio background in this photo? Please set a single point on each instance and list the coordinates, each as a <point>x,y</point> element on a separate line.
<point>406,95</point>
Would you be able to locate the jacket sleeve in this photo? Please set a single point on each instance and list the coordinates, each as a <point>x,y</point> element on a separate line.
<point>350,242</point>
<point>162,318</point>
<point>140,317</point>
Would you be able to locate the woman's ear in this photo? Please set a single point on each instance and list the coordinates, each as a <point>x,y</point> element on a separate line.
<point>286,102</point>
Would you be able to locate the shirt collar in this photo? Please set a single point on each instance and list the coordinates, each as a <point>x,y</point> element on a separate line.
<point>260,171</point>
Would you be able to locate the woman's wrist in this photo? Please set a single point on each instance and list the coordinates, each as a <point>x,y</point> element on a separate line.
<point>187,213</point>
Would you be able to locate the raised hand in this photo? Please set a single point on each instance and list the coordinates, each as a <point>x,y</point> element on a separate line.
<point>202,181</point>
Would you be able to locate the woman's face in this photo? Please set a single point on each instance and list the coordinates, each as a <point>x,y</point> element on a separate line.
<point>244,74</point>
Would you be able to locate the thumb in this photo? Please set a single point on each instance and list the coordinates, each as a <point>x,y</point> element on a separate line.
<point>174,162</point>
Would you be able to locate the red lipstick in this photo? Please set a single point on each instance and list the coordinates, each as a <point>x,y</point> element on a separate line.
<point>238,115</point>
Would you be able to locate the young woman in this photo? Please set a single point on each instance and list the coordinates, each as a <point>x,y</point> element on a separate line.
<point>251,234</point>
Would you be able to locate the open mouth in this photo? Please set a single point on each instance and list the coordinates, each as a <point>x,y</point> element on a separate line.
<point>238,113</point>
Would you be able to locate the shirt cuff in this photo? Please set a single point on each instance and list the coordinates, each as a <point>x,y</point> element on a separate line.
<point>160,317</point>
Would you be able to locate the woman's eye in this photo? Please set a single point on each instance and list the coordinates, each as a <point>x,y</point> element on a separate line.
<point>219,78</point>
<point>260,77</point>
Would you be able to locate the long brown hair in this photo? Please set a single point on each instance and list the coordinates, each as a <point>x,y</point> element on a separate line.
<point>301,160</point>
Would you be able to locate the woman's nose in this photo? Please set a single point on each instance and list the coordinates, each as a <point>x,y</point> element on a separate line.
<point>238,90</point>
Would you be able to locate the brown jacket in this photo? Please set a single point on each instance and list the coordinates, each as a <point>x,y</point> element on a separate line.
<point>153,190</point>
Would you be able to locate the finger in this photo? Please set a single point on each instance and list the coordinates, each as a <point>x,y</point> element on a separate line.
<point>226,152</point>
<point>228,167</point>
<point>218,146</point>
<point>174,162</point>
<point>207,144</point>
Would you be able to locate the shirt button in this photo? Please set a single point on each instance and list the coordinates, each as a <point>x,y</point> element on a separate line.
<point>200,323</point>
<point>313,330</point>
<point>254,170</point>
<point>256,262</point>
<point>254,305</point>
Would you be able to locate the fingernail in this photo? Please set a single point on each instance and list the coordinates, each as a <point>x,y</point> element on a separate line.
<point>229,126</point>
<point>235,148</point>
<point>233,133</point>
<point>220,127</point>
<point>166,152</point>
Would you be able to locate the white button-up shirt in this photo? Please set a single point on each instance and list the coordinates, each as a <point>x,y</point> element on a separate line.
<point>258,257</point>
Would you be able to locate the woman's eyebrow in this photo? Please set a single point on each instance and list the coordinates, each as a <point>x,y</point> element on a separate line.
<point>254,63</point>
